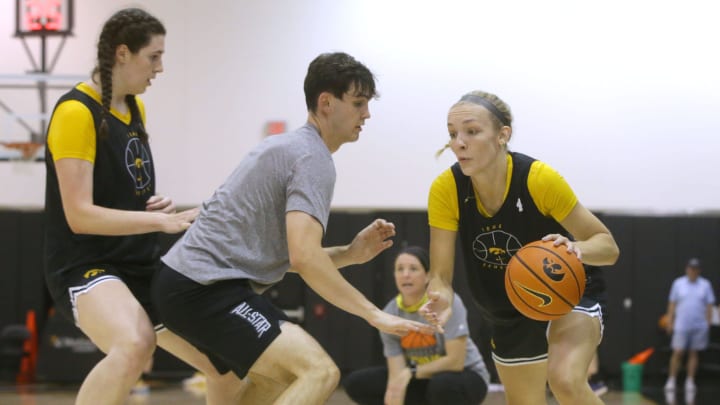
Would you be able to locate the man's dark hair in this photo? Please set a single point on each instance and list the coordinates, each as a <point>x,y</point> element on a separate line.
<point>336,73</point>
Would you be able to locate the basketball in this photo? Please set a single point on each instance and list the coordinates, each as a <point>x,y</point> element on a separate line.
<point>543,281</point>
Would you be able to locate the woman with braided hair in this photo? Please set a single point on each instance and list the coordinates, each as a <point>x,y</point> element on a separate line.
<point>103,216</point>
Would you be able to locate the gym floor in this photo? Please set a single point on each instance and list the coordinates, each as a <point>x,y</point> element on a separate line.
<point>174,394</point>
<point>163,392</point>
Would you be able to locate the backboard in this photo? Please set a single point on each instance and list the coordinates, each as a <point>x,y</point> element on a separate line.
<point>44,17</point>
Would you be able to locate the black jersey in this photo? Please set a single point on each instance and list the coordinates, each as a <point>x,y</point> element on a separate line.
<point>489,243</point>
<point>123,178</point>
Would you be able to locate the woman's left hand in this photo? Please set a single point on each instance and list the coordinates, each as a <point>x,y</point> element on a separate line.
<point>564,240</point>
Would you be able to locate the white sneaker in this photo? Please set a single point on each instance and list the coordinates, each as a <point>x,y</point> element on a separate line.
<point>670,397</point>
<point>690,385</point>
<point>689,397</point>
<point>670,384</point>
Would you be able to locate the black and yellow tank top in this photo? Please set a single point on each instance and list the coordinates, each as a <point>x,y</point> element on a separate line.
<point>123,178</point>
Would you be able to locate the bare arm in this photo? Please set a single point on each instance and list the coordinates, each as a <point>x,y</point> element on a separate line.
<point>442,263</point>
<point>593,243</point>
<point>312,263</point>
<point>454,359</point>
<point>399,377</point>
<point>75,178</point>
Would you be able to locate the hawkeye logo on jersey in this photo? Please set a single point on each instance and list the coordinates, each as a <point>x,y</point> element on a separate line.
<point>494,247</point>
<point>92,273</point>
<point>254,318</point>
<point>545,299</point>
<point>553,270</point>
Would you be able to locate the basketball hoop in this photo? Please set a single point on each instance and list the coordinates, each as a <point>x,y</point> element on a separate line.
<point>28,150</point>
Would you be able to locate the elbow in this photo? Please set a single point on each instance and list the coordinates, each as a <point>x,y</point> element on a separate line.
<point>76,226</point>
<point>76,221</point>
<point>613,254</point>
<point>607,251</point>
<point>300,261</point>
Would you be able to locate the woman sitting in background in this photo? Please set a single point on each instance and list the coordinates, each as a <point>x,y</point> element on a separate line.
<point>422,369</point>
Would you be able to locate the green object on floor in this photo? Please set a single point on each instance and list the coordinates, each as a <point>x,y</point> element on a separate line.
<point>632,377</point>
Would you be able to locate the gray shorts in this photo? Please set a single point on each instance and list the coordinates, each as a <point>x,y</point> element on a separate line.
<point>692,339</point>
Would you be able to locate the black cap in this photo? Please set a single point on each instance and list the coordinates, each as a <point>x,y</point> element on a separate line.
<point>694,262</point>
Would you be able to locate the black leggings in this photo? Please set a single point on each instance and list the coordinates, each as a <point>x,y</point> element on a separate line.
<point>367,387</point>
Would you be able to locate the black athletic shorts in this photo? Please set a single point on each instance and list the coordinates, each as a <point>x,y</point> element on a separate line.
<point>524,341</point>
<point>226,320</point>
<point>65,287</point>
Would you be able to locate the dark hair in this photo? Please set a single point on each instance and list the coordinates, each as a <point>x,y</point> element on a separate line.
<point>134,28</point>
<point>335,73</point>
<point>420,253</point>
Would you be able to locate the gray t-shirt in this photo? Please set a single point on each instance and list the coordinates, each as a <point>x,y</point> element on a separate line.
<point>240,231</point>
<point>425,348</point>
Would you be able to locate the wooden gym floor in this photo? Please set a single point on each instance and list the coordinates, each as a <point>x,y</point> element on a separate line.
<point>164,392</point>
<point>174,394</point>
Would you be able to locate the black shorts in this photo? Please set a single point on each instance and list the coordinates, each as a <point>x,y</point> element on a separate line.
<point>65,287</point>
<point>524,341</point>
<point>226,320</point>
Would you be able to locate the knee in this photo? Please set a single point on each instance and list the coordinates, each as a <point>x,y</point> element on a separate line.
<point>449,388</point>
<point>227,387</point>
<point>439,392</point>
<point>136,349</point>
<point>330,373</point>
<point>354,385</point>
<point>566,384</point>
<point>324,372</point>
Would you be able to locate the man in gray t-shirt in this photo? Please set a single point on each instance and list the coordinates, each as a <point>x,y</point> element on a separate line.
<point>689,312</point>
<point>268,218</point>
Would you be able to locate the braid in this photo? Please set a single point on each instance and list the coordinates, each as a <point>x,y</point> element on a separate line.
<point>106,60</point>
<point>134,28</point>
<point>135,112</point>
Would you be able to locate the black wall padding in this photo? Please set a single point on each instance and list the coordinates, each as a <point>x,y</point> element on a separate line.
<point>654,251</point>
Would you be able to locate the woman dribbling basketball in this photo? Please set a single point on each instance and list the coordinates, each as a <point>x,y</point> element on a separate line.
<point>498,201</point>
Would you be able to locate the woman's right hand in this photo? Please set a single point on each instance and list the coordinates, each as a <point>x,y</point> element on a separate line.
<point>179,221</point>
<point>437,310</point>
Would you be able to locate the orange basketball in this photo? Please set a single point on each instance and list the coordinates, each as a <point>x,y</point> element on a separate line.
<point>544,282</point>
